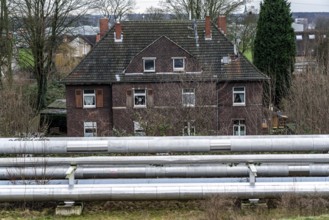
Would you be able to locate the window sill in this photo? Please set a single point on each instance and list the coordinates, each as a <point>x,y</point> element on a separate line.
<point>142,106</point>
<point>241,105</point>
<point>87,107</point>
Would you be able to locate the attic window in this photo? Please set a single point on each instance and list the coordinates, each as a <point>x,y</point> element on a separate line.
<point>149,64</point>
<point>179,64</point>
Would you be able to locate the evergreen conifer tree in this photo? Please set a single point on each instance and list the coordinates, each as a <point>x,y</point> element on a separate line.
<point>275,48</point>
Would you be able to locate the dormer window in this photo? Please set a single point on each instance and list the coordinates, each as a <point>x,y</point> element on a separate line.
<point>178,64</point>
<point>149,64</point>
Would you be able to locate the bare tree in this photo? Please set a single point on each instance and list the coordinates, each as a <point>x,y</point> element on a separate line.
<point>322,23</point>
<point>42,23</point>
<point>308,102</point>
<point>322,45</point>
<point>16,113</point>
<point>199,8</point>
<point>242,31</point>
<point>5,42</point>
<point>192,114</point>
<point>199,107</point>
<point>153,13</point>
<point>114,9</point>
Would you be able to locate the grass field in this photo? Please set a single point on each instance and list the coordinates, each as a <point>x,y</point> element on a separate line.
<point>248,55</point>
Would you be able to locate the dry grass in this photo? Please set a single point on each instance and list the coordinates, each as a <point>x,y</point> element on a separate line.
<point>289,206</point>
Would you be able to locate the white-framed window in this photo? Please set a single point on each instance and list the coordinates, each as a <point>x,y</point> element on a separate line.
<point>188,97</point>
<point>89,98</point>
<point>299,37</point>
<point>90,129</point>
<point>149,64</point>
<point>178,63</point>
<point>239,96</point>
<point>239,127</point>
<point>138,129</point>
<point>311,36</point>
<point>139,98</point>
<point>189,128</point>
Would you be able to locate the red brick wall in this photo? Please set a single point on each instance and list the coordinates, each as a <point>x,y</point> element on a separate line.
<point>77,116</point>
<point>165,51</point>
<point>167,115</point>
<point>252,112</point>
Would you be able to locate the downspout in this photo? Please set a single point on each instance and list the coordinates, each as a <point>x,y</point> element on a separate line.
<point>217,91</point>
<point>111,110</point>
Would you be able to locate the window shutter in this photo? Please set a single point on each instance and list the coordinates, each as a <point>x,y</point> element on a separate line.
<point>129,99</point>
<point>78,98</point>
<point>99,98</point>
<point>150,99</point>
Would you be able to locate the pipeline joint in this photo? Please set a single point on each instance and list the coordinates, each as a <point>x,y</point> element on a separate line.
<point>220,145</point>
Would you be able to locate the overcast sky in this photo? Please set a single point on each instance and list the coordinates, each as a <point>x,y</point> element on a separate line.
<point>296,5</point>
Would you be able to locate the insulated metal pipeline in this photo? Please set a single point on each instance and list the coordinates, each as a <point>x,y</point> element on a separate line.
<point>166,144</point>
<point>164,160</point>
<point>157,191</point>
<point>162,181</point>
<point>163,172</point>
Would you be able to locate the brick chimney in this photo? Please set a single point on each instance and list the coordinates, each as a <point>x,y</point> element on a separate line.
<point>103,26</point>
<point>118,32</point>
<point>222,24</point>
<point>208,28</point>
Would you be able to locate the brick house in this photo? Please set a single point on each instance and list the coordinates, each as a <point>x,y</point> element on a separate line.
<point>164,78</point>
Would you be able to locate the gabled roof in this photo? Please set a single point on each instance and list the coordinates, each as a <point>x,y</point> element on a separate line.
<point>90,39</point>
<point>164,50</point>
<point>108,60</point>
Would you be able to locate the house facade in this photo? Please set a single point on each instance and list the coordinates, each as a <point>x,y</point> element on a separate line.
<point>71,51</point>
<point>164,78</point>
<point>307,48</point>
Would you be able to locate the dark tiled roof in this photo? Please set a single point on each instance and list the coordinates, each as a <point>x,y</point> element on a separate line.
<point>90,39</point>
<point>108,60</point>
<point>57,107</point>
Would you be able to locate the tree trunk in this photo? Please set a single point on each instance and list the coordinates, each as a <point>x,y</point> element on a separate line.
<point>42,91</point>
